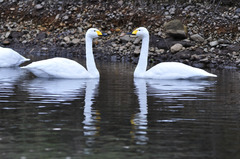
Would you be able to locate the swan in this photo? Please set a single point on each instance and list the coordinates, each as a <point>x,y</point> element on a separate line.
<point>59,67</point>
<point>164,70</point>
<point>10,58</point>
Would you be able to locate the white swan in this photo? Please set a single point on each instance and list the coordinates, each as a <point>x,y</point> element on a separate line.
<point>10,58</point>
<point>164,70</point>
<point>65,68</point>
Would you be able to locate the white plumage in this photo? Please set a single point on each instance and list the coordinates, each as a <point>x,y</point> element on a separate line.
<point>164,70</point>
<point>65,68</point>
<point>10,58</point>
<point>58,67</point>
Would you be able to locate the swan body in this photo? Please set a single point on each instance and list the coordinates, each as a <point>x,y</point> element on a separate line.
<point>58,67</point>
<point>10,58</point>
<point>164,70</point>
<point>65,68</point>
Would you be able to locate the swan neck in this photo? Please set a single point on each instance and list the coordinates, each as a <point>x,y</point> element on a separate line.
<point>90,62</point>
<point>143,58</point>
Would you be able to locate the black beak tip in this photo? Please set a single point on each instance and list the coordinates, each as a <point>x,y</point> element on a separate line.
<point>104,34</point>
<point>129,33</point>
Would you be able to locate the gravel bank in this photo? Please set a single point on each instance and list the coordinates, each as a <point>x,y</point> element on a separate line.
<point>203,35</point>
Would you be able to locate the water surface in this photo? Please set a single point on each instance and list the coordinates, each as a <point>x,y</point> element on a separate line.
<point>118,116</point>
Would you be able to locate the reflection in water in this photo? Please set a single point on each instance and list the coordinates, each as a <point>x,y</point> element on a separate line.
<point>8,78</point>
<point>58,90</point>
<point>52,118</point>
<point>90,127</point>
<point>10,74</point>
<point>175,89</point>
<point>140,119</point>
<point>166,90</point>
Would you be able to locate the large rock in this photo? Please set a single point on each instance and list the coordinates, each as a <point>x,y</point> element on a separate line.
<point>175,29</point>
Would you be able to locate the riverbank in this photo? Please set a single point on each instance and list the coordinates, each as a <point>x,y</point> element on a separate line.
<point>208,35</point>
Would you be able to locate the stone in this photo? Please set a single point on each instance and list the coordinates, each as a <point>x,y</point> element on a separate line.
<point>175,29</point>
<point>38,7</point>
<point>117,29</point>
<point>66,17</point>
<point>121,48</point>
<point>205,60</point>
<point>160,51</point>
<point>7,34</point>
<point>15,34</point>
<point>120,2</point>
<point>213,43</point>
<point>41,35</point>
<point>1,1</point>
<point>137,50</point>
<point>24,41</point>
<point>137,41</point>
<point>194,57</point>
<point>197,37</point>
<point>176,48</point>
<point>66,39</point>
<point>172,11</point>
<point>76,41</point>
<point>6,42</point>
<point>44,49</point>
<point>125,38</point>
<point>237,10</point>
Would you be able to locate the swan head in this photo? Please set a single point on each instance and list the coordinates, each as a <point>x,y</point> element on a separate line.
<point>141,32</point>
<point>94,33</point>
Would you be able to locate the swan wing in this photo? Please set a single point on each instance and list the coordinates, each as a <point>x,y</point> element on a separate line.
<point>58,68</point>
<point>176,70</point>
<point>10,58</point>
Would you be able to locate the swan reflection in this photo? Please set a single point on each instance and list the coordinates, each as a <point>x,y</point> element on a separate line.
<point>90,115</point>
<point>140,121</point>
<point>10,74</point>
<point>8,79</point>
<point>164,89</point>
<point>58,90</point>
<point>52,90</point>
<point>172,89</point>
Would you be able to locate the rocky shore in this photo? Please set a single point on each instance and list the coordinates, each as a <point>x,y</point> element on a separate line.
<point>205,35</point>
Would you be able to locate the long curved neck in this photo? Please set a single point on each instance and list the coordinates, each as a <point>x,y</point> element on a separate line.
<point>143,59</point>
<point>90,62</point>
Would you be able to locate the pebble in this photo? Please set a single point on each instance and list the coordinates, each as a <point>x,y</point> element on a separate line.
<point>197,37</point>
<point>137,41</point>
<point>125,38</point>
<point>137,50</point>
<point>76,41</point>
<point>6,42</point>
<point>176,48</point>
<point>213,43</point>
<point>38,7</point>
<point>66,39</point>
<point>44,49</point>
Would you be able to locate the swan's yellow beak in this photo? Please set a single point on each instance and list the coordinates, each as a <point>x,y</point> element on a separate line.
<point>134,32</point>
<point>99,33</point>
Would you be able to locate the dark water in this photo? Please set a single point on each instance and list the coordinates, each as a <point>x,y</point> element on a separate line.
<point>119,117</point>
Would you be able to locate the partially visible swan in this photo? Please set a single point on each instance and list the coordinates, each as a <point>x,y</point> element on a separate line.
<point>65,68</point>
<point>164,70</point>
<point>10,58</point>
